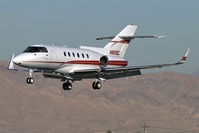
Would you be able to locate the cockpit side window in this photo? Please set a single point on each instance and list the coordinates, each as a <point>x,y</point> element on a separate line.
<point>36,49</point>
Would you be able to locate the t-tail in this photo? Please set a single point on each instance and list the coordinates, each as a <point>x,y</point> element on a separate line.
<point>118,45</point>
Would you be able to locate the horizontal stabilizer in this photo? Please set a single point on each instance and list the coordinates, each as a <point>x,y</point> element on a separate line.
<point>133,37</point>
<point>129,37</point>
<point>104,38</point>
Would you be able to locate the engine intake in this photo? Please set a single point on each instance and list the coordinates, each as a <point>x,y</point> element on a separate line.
<point>103,61</point>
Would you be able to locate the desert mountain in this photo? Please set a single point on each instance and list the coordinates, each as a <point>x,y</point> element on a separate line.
<point>167,101</point>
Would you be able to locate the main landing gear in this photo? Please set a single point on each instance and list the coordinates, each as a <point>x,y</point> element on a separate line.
<point>96,85</point>
<point>67,86</point>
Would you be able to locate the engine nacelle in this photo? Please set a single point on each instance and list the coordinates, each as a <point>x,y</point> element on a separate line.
<point>103,61</point>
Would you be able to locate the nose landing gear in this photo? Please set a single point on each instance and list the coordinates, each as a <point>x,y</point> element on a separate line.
<point>30,80</point>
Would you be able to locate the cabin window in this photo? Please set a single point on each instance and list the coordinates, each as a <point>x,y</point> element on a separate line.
<point>69,54</point>
<point>34,49</point>
<point>78,55</point>
<point>87,56</point>
<point>73,54</point>
<point>64,53</point>
<point>82,55</point>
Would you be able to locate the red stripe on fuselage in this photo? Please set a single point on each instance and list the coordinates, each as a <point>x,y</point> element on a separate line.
<point>117,63</point>
<point>84,62</point>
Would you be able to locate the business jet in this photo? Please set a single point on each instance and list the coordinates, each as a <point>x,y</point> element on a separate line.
<point>75,64</point>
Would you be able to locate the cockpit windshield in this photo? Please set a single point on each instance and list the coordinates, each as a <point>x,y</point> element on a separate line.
<point>36,49</point>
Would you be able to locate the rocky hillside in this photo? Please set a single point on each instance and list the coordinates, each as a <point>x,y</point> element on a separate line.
<point>168,101</point>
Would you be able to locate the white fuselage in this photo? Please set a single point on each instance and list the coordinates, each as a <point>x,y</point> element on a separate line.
<point>65,60</point>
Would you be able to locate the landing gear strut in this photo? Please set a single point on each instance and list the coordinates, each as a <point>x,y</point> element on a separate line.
<point>96,85</point>
<point>67,86</point>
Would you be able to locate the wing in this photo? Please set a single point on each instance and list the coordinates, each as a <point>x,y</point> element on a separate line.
<point>110,73</point>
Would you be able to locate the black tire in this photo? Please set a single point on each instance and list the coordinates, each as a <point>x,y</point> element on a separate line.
<point>28,81</point>
<point>31,80</point>
<point>64,86</point>
<point>96,85</point>
<point>69,86</point>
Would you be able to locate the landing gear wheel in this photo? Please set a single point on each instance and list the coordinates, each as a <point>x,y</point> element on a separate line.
<point>30,80</point>
<point>96,85</point>
<point>67,86</point>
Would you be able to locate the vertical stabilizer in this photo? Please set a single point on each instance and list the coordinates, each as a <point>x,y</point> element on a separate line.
<point>117,45</point>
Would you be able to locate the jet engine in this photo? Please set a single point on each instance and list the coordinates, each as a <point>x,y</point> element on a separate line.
<point>103,61</point>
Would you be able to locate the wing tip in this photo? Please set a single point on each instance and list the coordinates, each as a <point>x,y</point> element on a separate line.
<point>11,64</point>
<point>184,58</point>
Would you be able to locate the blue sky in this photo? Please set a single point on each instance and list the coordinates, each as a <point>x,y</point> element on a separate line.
<point>74,23</point>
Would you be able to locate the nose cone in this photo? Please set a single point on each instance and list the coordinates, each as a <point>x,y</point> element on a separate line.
<point>17,60</point>
<point>24,59</point>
